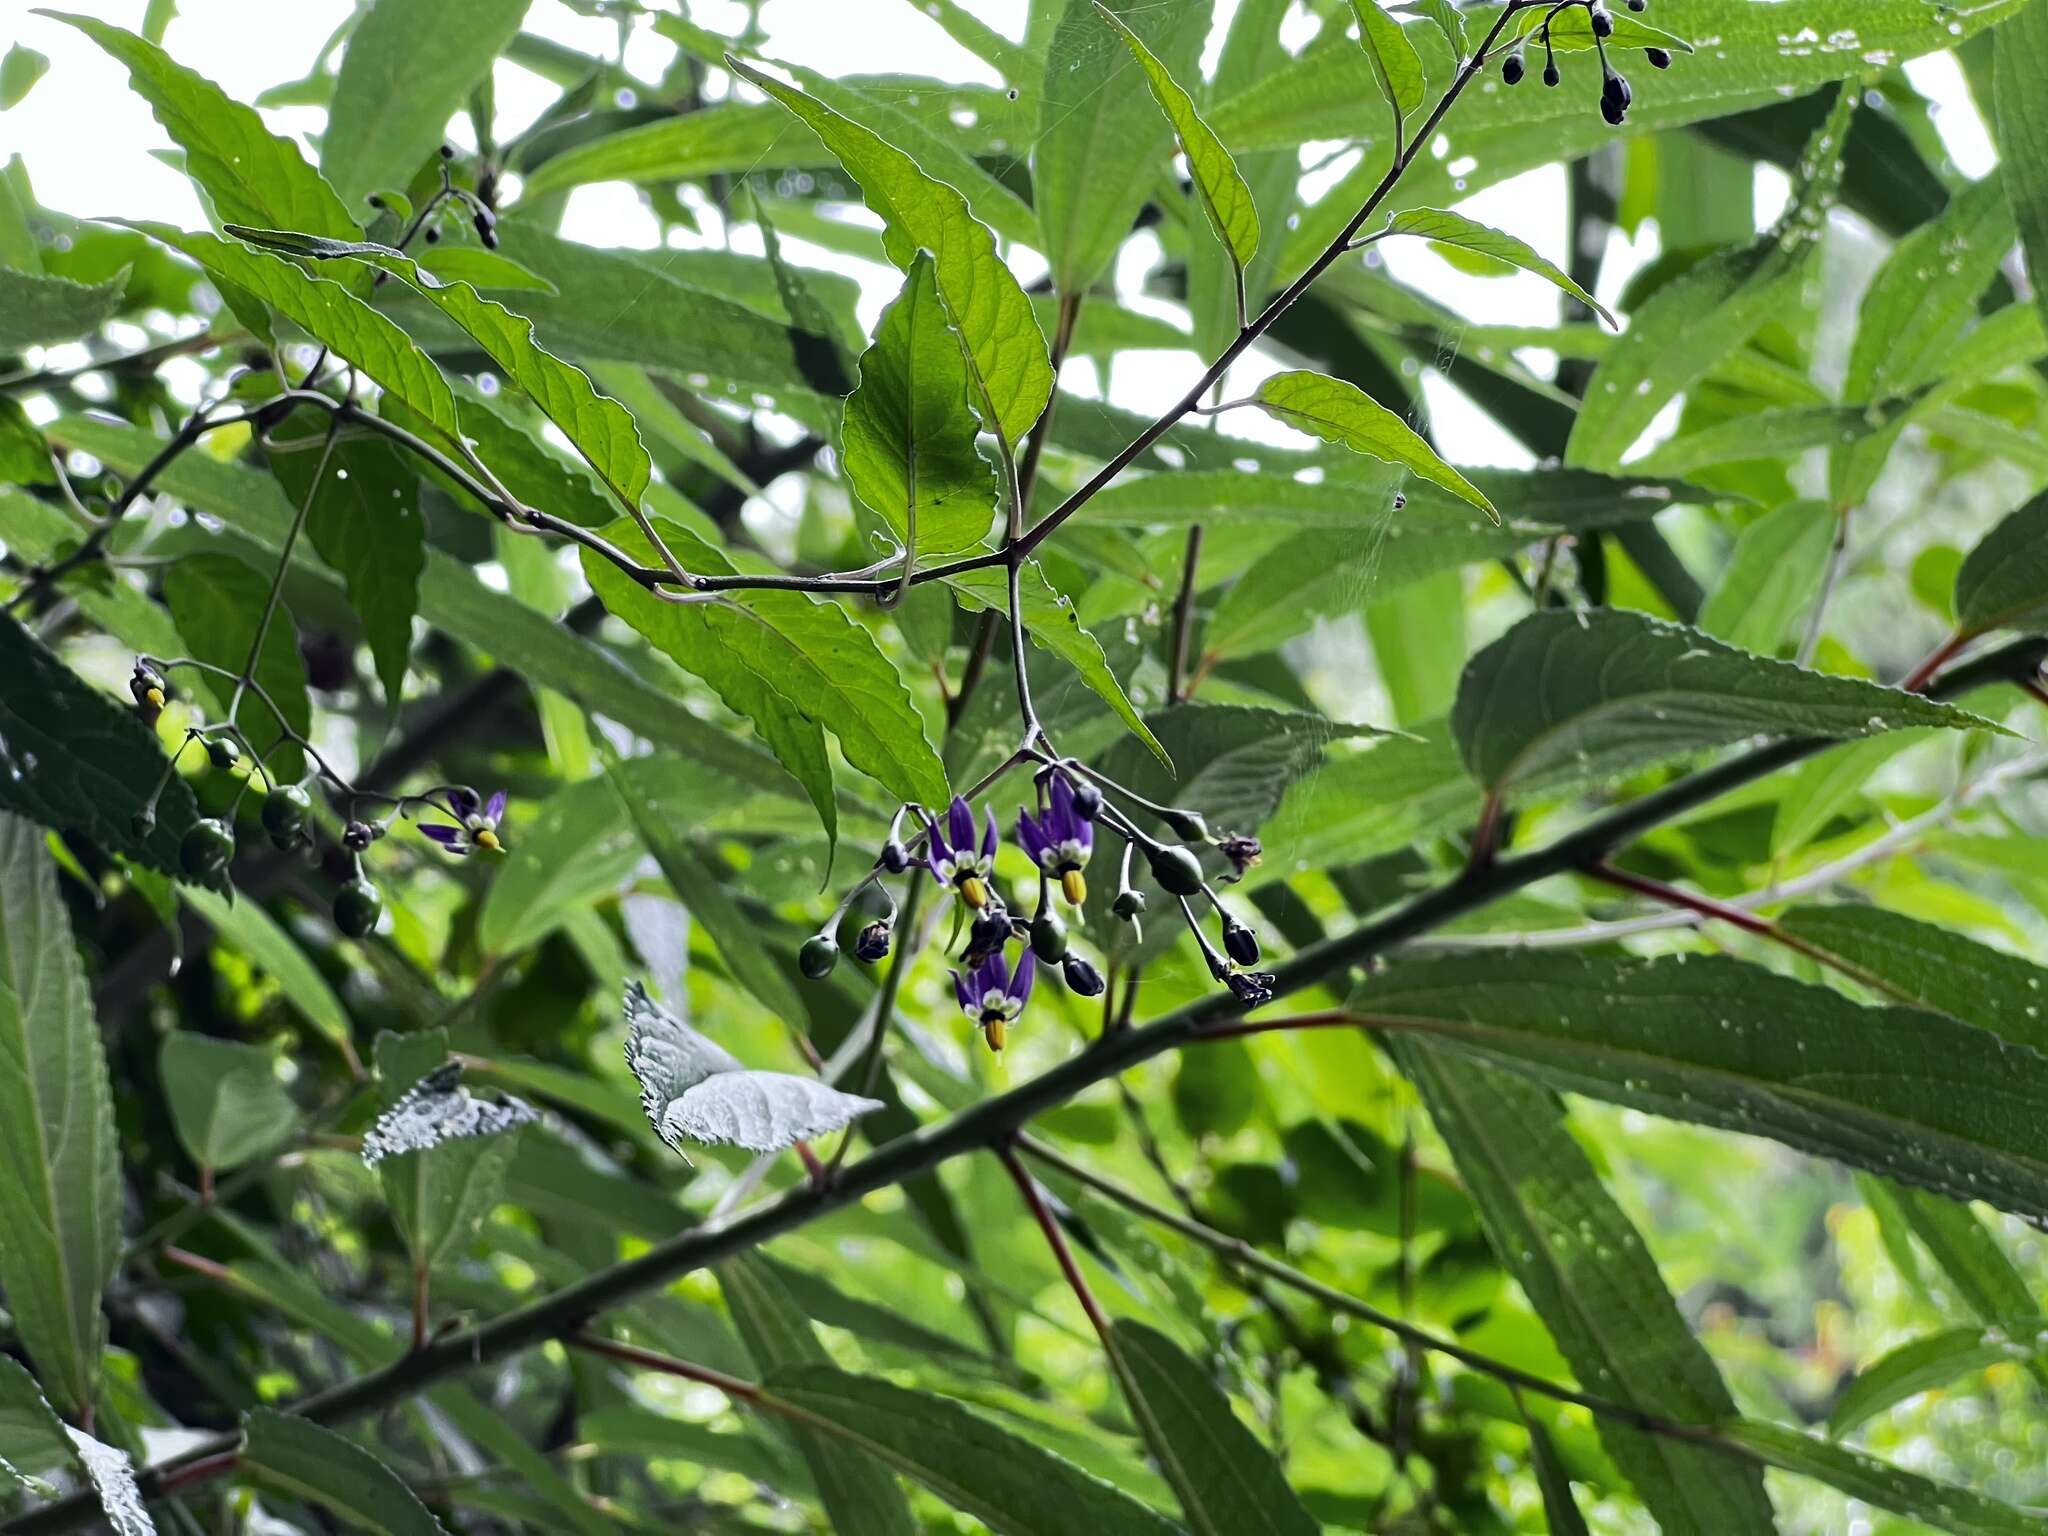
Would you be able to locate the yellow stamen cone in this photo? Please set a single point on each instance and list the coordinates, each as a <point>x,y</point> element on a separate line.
<point>488,839</point>
<point>997,1031</point>
<point>1074,885</point>
<point>974,892</point>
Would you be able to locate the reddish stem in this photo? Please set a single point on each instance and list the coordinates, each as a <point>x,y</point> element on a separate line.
<point>186,1259</point>
<point>1688,901</point>
<point>1329,1018</point>
<point>1056,1240</point>
<point>202,1470</point>
<point>1937,658</point>
<point>668,1365</point>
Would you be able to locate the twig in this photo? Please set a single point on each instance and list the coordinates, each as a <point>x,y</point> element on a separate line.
<point>1183,614</point>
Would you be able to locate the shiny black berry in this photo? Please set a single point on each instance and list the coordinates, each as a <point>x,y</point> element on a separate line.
<point>1240,942</point>
<point>285,810</point>
<point>818,956</point>
<point>357,906</point>
<point>1658,57</point>
<point>1513,68</point>
<point>1081,977</point>
<point>357,836</point>
<point>206,849</point>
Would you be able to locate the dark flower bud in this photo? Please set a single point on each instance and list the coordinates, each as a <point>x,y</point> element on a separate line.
<point>223,751</point>
<point>464,801</point>
<point>356,907</point>
<point>1087,800</point>
<point>284,814</point>
<point>1177,871</point>
<point>1658,57</point>
<point>1242,851</point>
<point>872,943</point>
<point>1252,987</point>
<point>1550,74</point>
<point>206,849</point>
<point>486,227</point>
<point>1638,5</point>
<point>447,151</point>
<point>1614,99</point>
<point>1082,979</point>
<point>1048,936</point>
<point>357,836</point>
<point>148,686</point>
<point>1128,904</point>
<point>818,956</point>
<point>1513,68</point>
<point>990,931</point>
<point>895,857</point>
<point>143,822</point>
<point>1240,942</point>
<point>1603,22</point>
<point>1188,825</point>
<point>433,234</point>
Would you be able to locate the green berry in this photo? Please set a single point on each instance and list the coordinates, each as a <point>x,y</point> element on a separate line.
<point>1048,936</point>
<point>1177,871</point>
<point>284,814</point>
<point>356,907</point>
<point>207,848</point>
<point>1188,825</point>
<point>819,954</point>
<point>223,751</point>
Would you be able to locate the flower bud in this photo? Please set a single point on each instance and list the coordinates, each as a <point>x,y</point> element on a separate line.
<point>1252,987</point>
<point>357,906</point>
<point>1082,979</point>
<point>895,857</point>
<point>1658,57</point>
<point>464,801</point>
<point>990,931</point>
<point>818,956</point>
<point>1178,872</point>
<point>1087,800</point>
<point>143,822</point>
<point>1550,74</point>
<point>1513,68</point>
<point>1614,99</point>
<point>1603,22</point>
<point>357,836</point>
<point>1239,942</point>
<point>1638,5</point>
<point>148,686</point>
<point>1188,825</point>
<point>872,943</point>
<point>1048,936</point>
<point>1242,851</point>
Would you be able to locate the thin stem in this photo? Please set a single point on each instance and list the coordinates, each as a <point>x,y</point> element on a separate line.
<point>1183,614</point>
<point>284,563</point>
<point>1033,731</point>
<point>1831,578</point>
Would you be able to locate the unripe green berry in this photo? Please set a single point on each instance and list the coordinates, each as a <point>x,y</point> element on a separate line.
<point>357,906</point>
<point>1048,936</point>
<point>284,814</point>
<point>1177,871</point>
<point>1188,825</point>
<point>143,822</point>
<point>223,751</point>
<point>206,849</point>
<point>818,956</point>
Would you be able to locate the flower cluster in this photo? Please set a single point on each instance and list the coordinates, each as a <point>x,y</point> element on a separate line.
<point>1615,94</point>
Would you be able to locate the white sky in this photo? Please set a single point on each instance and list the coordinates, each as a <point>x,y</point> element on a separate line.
<point>88,142</point>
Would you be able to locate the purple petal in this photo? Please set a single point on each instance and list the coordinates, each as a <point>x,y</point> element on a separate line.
<point>988,976</point>
<point>1084,834</point>
<point>447,837</point>
<point>962,992</point>
<point>494,808</point>
<point>1022,977</point>
<point>988,837</point>
<point>935,848</point>
<point>1029,835</point>
<point>960,824</point>
<point>1062,805</point>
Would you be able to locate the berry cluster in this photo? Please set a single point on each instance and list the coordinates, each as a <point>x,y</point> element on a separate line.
<point>1615,95</point>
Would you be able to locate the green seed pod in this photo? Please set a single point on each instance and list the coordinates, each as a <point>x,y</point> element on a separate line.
<point>284,814</point>
<point>223,751</point>
<point>207,848</point>
<point>1177,871</point>
<point>1186,824</point>
<point>1048,936</point>
<point>357,906</point>
<point>818,956</point>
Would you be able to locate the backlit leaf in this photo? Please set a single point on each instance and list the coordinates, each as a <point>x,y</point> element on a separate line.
<point>1343,413</point>
<point>2022,121</point>
<point>299,1459</point>
<point>2003,582</point>
<point>1443,227</point>
<point>36,310</point>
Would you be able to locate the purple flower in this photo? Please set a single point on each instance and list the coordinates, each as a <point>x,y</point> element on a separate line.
<point>992,997</point>
<point>478,829</point>
<point>953,858</point>
<point>1060,841</point>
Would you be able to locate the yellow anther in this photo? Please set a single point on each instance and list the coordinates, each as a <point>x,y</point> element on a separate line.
<point>1074,885</point>
<point>974,891</point>
<point>155,696</point>
<point>488,839</point>
<point>996,1031</point>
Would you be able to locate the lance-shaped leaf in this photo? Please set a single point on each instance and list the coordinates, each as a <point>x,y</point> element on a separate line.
<point>1395,64</point>
<point>73,759</point>
<point>1944,1506</point>
<point>301,1460</point>
<point>908,440</point>
<point>252,176</point>
<point>696,1090</point>
<point>36,310</point>
<point>60,1194</point>
<point>218,602</point>
<point>2021,116</point>
<point>1443,227</point>
<point>32,1438</point>
<point>1768,434</point>
<point>1564,701</point>
<point>1572,31</point>
<point>226,1102</point>
<point>1597,1288</point>
<point>112,1477</point>
<point>1226,199</point>
<point>2003,582</point>
<point>1013,373</point>
<point>600,428</point>
<point>1925,1364</point>
<point>1690,323</point>
<point>1912,1095</point>
<point>1340,412</point>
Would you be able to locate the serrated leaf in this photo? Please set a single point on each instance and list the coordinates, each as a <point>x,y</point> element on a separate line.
<point>251,175</point>
<point>2003,582</point>
<point>1339,412</point>
<point>1696,318</point>
<point>1227,1482</point>
<point>1226,199</point>
<point>908,439</point>
<point>1923,1365</point>
<point>218,603</point>
<point>32,1438</point>
<point>1961,1511</point>
<point>60,1192</point>
<point>36,310</point>
<point>1585,1269</point>
<point>1767,434</point>
<point>1565,701</point>
<point>984,299</point>
<point>1979,1271</point>
<point>298,1458</point>
<point>597,425</point>
<point>2021,117</point>
<point>73,759</point>
<point>789,663</point>
<point>1396,66</point>
<point>1402,792</point>
<point>226,1101</point>
<point>1912,1095</point>
<point>393,97</point>
<point>1444,227</point>
<point>695,1090</point>
<point>112,1477</point>
<point>1053,625</point>
<point>1772,577</point>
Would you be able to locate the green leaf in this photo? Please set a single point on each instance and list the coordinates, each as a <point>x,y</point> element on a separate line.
<point>1227,1482</point>
<point>2021,117</point>
<point>987,305</point>
<point>1054,626</point>
<point>859,1495</point>
<point>580,846</point>
<point>1691,322</point>
<point>218,603</point>
<point>1401,792</point>
<point>440,1195</point>
<point>1339,412</point>
<point>1226,199</point>
<point>512,444</point>
<point>908,442</point>
<point>1443,227</point>
<point>1976,1266</point>
<point>297,1458</point>
<point>1827,784</point>
<point>1908,1094</point>
<point>364,519</point>
<point>1418,645</point>
<point>19,71</point>
<point>226,1101</point>
<point>60,1174</point>
<point>2003,582</point>
<point>35,311</point>
<point>1596,1287</point>
<point>1565,701</point>
<point>1560,1509</point>
<point>1942,1505</point>
<point>395,92</point>
<point>790,664</point>
<point>737,937</point>
<point>1767,434</point>
<point>83,763</point>
<point>32,1438</point>
<point>1396,67</point>
<point>329,313</point>
<point>597,425</point>
<point>1772,579</point>
<point>249,928</point>
<point>1923,1365</point>
<point>1003,1480</point>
